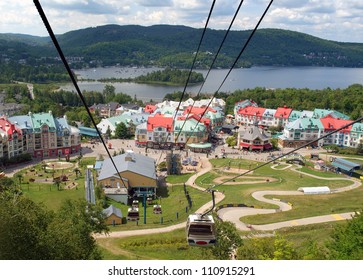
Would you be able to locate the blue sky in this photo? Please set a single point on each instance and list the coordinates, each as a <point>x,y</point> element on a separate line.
<point>338,20</point>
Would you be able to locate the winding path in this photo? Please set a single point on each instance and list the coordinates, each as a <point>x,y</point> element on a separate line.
<point>234,214</point>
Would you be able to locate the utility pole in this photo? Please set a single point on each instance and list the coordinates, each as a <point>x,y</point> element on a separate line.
<point>144,201</point>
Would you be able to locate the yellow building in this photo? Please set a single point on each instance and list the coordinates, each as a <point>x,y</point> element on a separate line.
<point>113,215</point>
<point>135,177</point>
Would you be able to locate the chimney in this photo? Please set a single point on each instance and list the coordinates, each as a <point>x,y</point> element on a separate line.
<point>128,157</point>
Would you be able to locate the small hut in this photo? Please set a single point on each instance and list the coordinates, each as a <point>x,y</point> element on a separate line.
<point>113,215</point>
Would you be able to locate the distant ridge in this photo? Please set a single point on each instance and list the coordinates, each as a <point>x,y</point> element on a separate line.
<point>171,45</point>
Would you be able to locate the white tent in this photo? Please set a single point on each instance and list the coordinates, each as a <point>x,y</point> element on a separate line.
<point>314,190</point>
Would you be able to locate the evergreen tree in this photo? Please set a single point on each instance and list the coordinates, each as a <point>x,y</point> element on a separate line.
<point>121,131</point>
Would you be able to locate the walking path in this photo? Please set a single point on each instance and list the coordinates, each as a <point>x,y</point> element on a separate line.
<point>227,214</point>
<point>234,214</point>
<point>207,166</point>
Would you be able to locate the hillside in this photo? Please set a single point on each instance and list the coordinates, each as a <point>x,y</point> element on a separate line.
<point>166,45</point>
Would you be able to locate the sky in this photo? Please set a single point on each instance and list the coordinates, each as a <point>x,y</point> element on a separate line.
<point>338,20</point>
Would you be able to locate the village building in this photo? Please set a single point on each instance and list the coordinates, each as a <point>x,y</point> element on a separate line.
<point>254,139</point>
<point>45,136</point>
<point>301,132</point>
<point>268,118</point>
<point>249,115</point>
<point>113,215</point>
<point>294,115</point>
<point>131,121</point>
<point>12,139</point>
<point>159,131</point>
<point>345,166</point>
<point>136,177</point>
<point>282,116</point>
<point>321,113</point>
<point>340,138</point>
<point>105,110</point>
<point>189,131</point>
<point>356,135</point>
<point>242,104</point>
<point>127,107</point>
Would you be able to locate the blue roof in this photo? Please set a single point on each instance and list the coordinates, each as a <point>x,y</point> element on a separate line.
<point>345,164</point>
<point>132,162</point>
<point>88,131</point>
<point>112,210</point>
<point>98,164</point>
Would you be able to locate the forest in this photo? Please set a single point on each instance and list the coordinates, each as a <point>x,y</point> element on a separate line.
<point>347,100</point>
<point>174,46</point>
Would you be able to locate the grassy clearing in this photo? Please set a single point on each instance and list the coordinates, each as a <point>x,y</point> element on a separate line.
<point>163,246</point>
<point>174,205</point>
<point>178,179</point>
<point>312,205</point>
<point>44,190</point>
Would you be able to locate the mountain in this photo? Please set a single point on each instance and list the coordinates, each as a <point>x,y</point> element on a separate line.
<point>166,45</point>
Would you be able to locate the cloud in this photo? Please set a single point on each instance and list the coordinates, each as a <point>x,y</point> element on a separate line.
<point>337,19</point>
<point>92,7</point>
<point>155,3</point>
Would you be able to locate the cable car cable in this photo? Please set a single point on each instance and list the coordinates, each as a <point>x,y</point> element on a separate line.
<point>211,66</point>
<point>189,74</point>
<point>70,73</point>
<point>236,60</point>
<point>288,153</point>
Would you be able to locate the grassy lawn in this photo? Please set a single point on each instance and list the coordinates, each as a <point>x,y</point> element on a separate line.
<point>162,246</point>
<point>312,205</point>
<point>173,203</point>
<point>178,179</point>
<point>44,190</point>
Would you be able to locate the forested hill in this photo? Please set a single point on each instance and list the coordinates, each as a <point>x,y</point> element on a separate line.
<point>166,45</point>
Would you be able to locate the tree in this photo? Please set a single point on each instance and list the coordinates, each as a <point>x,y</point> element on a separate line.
<point>57,182</point>
<point>271,248</point>
<point>70,231</point>
<point>121,131</point>
<point>228,240</point>
<point>108,93</point>
<point>231,141</point>
<point>108,132</point>
<point>347,240</point>
<point>23,224</point>
<point>28,231</point>
<point>77,171</point>
<point>19,176</point>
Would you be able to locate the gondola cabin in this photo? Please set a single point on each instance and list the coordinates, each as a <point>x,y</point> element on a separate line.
<point>157,209</point>
<point>133,214</point>
<point>200,230</point>
<point>149,201</point>
<point>135,204</point>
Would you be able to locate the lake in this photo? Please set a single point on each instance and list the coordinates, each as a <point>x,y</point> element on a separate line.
<point>268,77</point>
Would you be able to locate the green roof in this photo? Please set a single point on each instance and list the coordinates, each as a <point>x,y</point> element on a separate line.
<point>40,119</point>
<point>189,126</point>
<point>345,164</point>
<point>88,131</point>
<point>200,146</point>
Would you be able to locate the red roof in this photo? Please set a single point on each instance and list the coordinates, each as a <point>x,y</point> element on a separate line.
<point>205,121</point>
<point>283,112</point>
<point>197,110</point>
<point>251,111</point>
<point>8,127</point>
<point>159,120</point>
<point>331,123</point>
<point>150,108</point>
